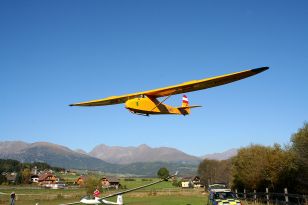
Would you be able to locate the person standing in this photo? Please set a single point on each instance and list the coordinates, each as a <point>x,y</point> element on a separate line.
<point>96,193</point>
<point>12,201</point>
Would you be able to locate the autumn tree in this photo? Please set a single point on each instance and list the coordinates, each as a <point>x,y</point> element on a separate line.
<point>258,167</point>
<point>211,171</point>
<point>248,166</point>
<point>26,176</point>
<point>300,149</point>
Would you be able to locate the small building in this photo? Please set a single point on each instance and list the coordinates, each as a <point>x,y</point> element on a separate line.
<point>186,182</point>
<point>34,178</point>
<point>197,182</point>
<point>11,177</point>
<point>81,180</point>
<point>110,182</point>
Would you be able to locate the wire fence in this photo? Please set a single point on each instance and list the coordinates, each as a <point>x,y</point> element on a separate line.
<point>273,198</point>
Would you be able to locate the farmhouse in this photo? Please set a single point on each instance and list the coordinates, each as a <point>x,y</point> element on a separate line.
<point>110,182</point>
<point>47,178</point>
<point>191,182</point>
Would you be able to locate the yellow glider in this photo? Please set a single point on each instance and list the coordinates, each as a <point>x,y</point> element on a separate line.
<point>146,103</point>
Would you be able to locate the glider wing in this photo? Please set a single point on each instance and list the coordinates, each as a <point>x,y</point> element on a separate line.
<point>108,101</point>
<point>205,83</point>
<point>186,87</point>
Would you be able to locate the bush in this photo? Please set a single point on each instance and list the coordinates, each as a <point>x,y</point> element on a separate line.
<point>91,183</point>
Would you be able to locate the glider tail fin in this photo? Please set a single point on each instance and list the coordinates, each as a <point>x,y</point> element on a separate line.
<point>185,109</point>
<point>119,199</point>
<point>185,104</point>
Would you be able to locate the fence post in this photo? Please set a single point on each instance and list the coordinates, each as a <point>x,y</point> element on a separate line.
<point>245,194</point>
<point>236,193</point>
<point>255,196</point>
<point>286,195</point>
<point>267,196</point>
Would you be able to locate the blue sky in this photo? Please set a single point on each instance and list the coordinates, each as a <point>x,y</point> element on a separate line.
<point>54,53</point>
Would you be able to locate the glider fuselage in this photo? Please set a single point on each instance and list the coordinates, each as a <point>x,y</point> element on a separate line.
<point>151,106</point>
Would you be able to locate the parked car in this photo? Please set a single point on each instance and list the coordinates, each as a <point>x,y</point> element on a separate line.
<point>223,197</point>
<point>55,186</point>
<point>217,186</point>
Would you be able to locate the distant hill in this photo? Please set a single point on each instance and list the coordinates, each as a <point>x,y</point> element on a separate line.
<point>142,153</point>
<point>9,147</point>
<point>55,155</point>
<point>60,156</point>
<point>221,156</point>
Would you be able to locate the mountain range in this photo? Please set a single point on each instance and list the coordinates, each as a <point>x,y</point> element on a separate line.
<point>141,160</point>
<point>142,153</point>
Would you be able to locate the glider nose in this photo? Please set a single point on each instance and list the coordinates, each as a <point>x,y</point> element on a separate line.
<point>128,104</point>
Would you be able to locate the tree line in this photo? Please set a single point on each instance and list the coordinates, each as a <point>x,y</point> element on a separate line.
<point>257,167</point>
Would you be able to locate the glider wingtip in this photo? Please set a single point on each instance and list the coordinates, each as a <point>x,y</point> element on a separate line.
<point>259,70</point>
<point>264,68</point>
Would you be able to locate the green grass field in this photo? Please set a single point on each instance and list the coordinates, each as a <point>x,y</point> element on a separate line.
<point>166,200</point>
<point>150,197</point>
<point>139,182</point>
<point>158,194</point>
<point>150,200</point>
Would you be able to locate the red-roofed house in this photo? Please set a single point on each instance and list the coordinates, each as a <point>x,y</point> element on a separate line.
<point>47,178</point>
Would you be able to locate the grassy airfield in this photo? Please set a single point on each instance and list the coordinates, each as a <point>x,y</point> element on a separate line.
<point>177,196</point>
<point>158,194</point>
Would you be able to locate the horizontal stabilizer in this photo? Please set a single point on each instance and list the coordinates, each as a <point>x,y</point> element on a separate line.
<point>191,106</point>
